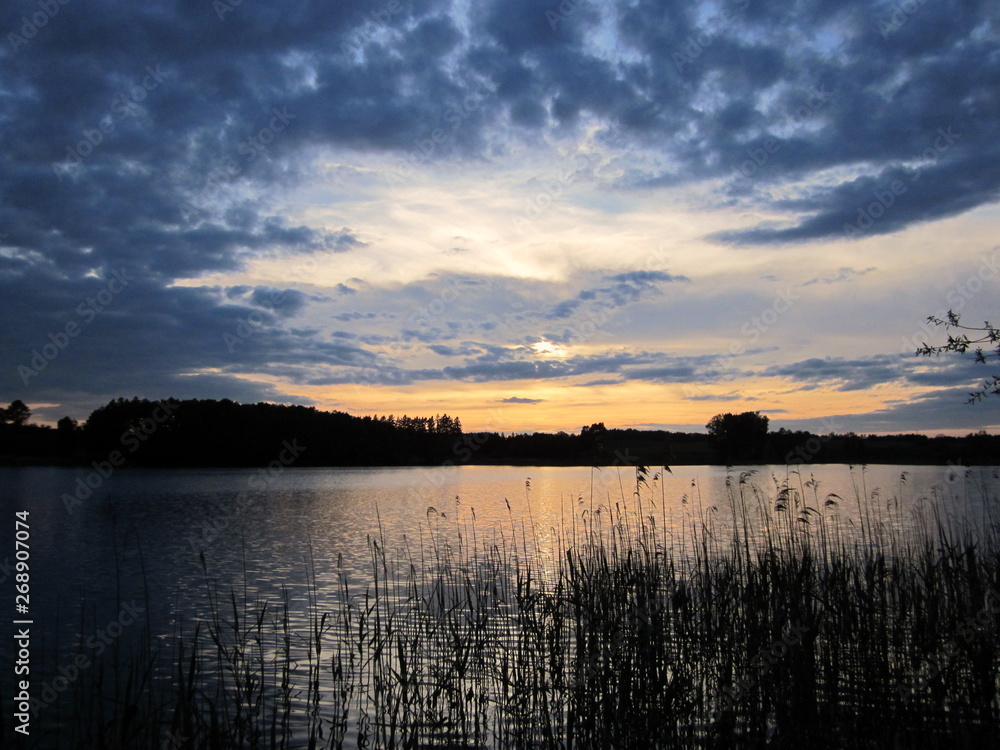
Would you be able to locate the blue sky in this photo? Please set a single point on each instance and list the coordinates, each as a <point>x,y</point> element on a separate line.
<point>534,215</point>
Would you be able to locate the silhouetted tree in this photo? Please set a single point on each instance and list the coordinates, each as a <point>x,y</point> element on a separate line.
<point>739,436</point>
<point>592,439</point>
<point>17,413</point>
<point>961,343</point>
<point>446,425</point>
<point>67,424</point>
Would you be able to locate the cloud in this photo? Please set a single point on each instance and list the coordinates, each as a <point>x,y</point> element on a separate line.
<point>643,278</point>
<point>253,95</point>
<point>842,274</point>
<point>284,302</point>
<point>519,400</point>
<point>628,288</point>
<point>934,410</point>
<point>784,116</point>
<point>862,373</point>
<point>140,338</point>
<point>894,199</point>
<point>349,316</point>
<point>468,349</point>
<point>500,364</point>
<point>843,374</point>
<point>343,240</point>
<point>564,309</point>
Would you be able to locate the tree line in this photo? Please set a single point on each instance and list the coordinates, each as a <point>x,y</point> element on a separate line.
<point>139,432</point>
<point>196,432</point>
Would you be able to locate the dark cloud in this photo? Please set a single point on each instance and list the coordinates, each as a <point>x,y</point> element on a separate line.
<point>284,302</point>
<point>519,400</point>
<point>180,111</point>
<point>141,131</point>
<point>894,199</point>
<point>628,288</point>
<point>821,88</point>
<point>566,308</point>
<point>932,410</point>
<point>343,240</point>
<point>81,342</point>
<point>843,374</point>
<point>466,349</point>
<point>862,373</point>
<point>643,278</point>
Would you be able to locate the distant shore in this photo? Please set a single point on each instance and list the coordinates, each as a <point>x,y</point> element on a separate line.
<point>203,433</point>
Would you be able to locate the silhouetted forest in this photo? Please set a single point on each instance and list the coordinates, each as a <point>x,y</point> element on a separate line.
<point>226,433</point>
<point>139,432</point>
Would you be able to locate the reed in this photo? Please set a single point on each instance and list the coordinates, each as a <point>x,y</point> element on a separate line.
<point>791,618</point>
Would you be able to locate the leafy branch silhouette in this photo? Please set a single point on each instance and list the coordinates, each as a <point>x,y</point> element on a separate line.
<point>961,342</point>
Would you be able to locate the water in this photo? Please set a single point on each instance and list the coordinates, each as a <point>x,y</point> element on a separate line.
<point>158,522</point>
<point>149,547</point>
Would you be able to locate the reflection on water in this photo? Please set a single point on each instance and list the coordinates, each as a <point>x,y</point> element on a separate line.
<point>321,552</point>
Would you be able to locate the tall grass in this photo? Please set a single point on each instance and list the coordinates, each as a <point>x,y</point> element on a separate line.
<point>791,618</point>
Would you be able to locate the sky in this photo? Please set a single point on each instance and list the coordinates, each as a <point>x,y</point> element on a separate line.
<point>530,215</point>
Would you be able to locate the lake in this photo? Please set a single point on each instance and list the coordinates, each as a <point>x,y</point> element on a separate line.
<point>158,547</point>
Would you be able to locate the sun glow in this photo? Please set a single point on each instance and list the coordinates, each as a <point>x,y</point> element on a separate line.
<point>548,349</point>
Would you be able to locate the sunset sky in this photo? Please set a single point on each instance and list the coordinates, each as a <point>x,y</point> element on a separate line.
<point>531,215</point>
